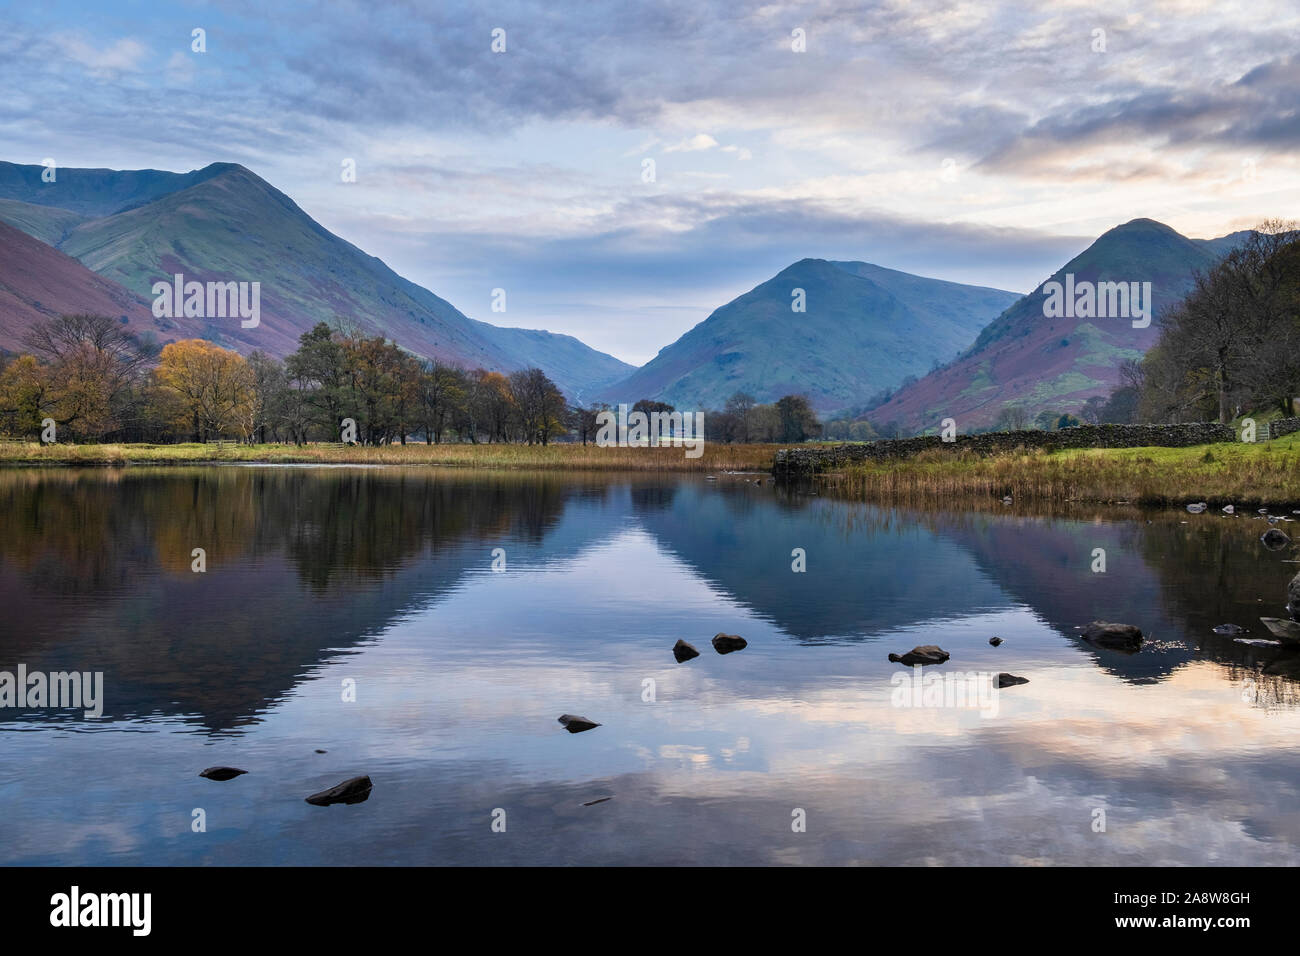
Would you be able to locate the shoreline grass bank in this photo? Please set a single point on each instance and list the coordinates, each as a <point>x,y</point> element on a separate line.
<point>575,457</point>
<point>1242,474</point>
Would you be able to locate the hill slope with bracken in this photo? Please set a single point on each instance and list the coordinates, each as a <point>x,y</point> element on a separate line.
<point>1023,356</point>
<point>865,328</point>
<point>39,282</point>
<point>224,223</point>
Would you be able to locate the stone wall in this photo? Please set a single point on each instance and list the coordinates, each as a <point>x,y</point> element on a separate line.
<point>1283,426</point>
<point>810,459</point>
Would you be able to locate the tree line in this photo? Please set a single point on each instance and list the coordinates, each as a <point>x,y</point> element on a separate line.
<point>1233,344</point>
<point>97,382</point>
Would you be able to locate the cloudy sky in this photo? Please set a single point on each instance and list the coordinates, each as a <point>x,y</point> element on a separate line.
<point>979,142</point>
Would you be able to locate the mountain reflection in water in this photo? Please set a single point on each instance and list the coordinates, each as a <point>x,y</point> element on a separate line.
<point>384,577</point>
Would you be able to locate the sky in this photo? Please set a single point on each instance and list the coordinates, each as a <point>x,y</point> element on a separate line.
<point>977,142</point>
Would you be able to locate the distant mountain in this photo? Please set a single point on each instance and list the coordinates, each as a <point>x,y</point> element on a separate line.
<point>1225,244</point>
<point>865,328</point>
<point>97,192</point>
<point>1058,363</point>
<point>224,223</point>
<point>38,282</point>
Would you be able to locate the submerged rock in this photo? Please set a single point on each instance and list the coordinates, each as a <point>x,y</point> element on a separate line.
<point>924,654</point>
<point>222,773</point>
<point>1293,596</point>
<point>995,641</point>
<point>684,652</point>
<point>726,643</point>
<point>1010,680</point>
<point>576,725</point>
<point>1288,632</point>
<point>356,790</point>
<point>1274,539</point>
<point>1118,637</point>
<point>1229,630</point>
<point>1196,508</point>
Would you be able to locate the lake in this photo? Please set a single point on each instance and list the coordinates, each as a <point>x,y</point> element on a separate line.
<point>428,626</point>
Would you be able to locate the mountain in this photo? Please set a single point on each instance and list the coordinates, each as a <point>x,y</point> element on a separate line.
<point>39,282</point>
<point>224,223</point>
<point>865,328</point>
<point>1058,363</point>
<point>46,223</point>
<point>97,192</point>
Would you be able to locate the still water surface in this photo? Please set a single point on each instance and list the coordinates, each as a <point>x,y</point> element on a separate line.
<point>1188,751</point>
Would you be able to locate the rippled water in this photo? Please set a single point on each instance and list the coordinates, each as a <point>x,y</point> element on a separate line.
<point>1188,752</point>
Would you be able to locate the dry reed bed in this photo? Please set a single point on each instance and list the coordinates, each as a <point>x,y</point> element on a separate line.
<point>1248,475</point>
<point>716,457</point>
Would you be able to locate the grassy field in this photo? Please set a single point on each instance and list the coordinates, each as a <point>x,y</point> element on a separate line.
<point>574,457</point>
<point>1247,475</point>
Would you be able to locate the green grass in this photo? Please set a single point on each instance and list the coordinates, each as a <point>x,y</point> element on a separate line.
<point>716,457</point>
<point>1247,475</point>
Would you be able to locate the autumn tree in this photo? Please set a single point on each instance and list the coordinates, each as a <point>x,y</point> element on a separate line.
<point>93,363</point>
<point>26,396</point>
<point>539,404</point>
<point>214,387</point>
<point>489,406</point>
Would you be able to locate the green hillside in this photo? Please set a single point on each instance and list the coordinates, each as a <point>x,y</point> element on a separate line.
<point>864,329</point>
<point>225,224</point>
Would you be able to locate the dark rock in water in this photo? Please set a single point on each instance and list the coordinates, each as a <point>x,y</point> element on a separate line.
<point>356,790</point>
<point>1119,637</point>
<point>726,643</point>
<point>576,725</point>
<point>222,773</point>
<point>1288,632</point>
<point>322,751</point>
<point>684,652</point>
<point>1196,508</point>
<point>1011,680</point>
<point>1293,596</point>
<point>924,654</point>
<point>995,641</point>
<point>1229,630</point>
<point>1274,539</point>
